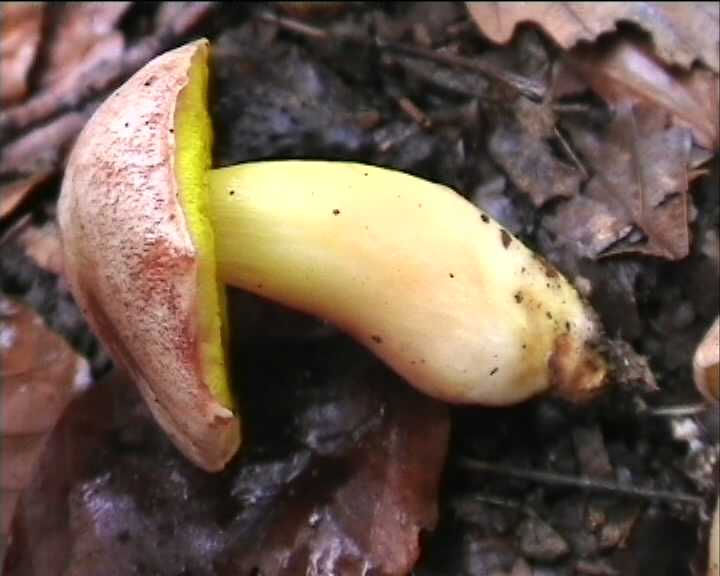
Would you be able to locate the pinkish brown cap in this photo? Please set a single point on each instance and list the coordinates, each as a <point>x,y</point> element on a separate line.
<point>139,265</point>
<point>706,363</point>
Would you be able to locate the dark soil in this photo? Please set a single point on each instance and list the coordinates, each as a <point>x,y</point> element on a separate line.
<point>648,456</point>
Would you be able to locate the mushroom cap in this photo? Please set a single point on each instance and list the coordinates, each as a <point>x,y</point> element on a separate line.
<point>706,363</point>
<point>714,556</point>
<point>139,253</point>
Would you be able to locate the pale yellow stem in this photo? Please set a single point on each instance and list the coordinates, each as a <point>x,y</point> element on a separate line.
<point>439,291</point>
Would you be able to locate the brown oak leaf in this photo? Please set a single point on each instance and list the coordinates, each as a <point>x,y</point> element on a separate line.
<point>84,36</point>
<point>637,199</point>
<point>349,495</point>
<point>682,32</point>
<point>39,374</point>
<point>628,72</point>
<point>20,29</point>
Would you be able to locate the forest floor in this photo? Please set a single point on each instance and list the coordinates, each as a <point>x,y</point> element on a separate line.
<point>592,138</point>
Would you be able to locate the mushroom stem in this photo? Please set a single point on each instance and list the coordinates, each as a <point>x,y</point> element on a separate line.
<point>437,289</point>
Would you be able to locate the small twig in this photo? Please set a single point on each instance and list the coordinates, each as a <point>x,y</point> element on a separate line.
<point>579,482</point>
<point>15,229</point>
<point>461,504</point>
<point>532,89</point>
<point>679,410</point>
<point>570,152</point>
<point>394,140</point>
<point>411,109</point>
<point>594,569</point>
<point>571,108</point>
<point>297,26</point>
<point>454,30</point>
<point>493,500</point>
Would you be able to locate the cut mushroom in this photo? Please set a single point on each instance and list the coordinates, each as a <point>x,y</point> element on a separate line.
<point>706,363</point>
<point>438,290</point>
<point>714,556</point>
<point>706,371</point>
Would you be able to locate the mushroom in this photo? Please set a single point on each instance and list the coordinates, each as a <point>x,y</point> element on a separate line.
<point>714,556</point>
<point>706,372</point>
<point>706,363</point>
<point>433,286</point>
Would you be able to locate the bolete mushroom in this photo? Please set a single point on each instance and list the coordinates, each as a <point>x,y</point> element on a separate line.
<point>706,363</point>
<point>714,545</point>
<point>706,372</point>
<point>439,291</point>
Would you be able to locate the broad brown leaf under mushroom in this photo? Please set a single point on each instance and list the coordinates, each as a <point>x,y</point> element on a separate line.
<point>682,32</point>
<point>372,505</point>
<point>639,185</point>
<point>352,491</point>
<point>39,374</point>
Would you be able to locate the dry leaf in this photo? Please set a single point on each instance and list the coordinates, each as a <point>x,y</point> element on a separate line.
<point>105,74</point>
<point>532,166</point>
<point>363,514</point>
<point>85,36</point>
<point>521,146</point>
<point>117,498</point>
<point>590,222</point>
<point>43,245</point>
<point>20,28</point>
<point>14,194</point>
<point>43,148</point>
<point>640,183</point>
<point>628,72</point>
<point>682,32</point>
<point>312,9</point>
<point>39,375</point>
<point>42,539</point>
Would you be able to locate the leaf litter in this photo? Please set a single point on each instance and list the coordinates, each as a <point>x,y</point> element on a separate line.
<point>590,152</point>
<point>40,374</point>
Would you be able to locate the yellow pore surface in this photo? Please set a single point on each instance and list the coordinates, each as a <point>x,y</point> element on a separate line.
<point>193,157</point>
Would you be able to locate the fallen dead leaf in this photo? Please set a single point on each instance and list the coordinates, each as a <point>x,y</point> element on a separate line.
<point>640,184</point>
<point>532,166</point>
<point>521,568</point>
<point>368,518</point>
<point>618,525</point>
<point>591,221</point>
<point>20,29</point>
<point>39,375</point>
<point>628,72</point>
<point>540,541</point>
<point>43,245</point>
<point>43,148</point>
<point>14,194</point>
<point>42,538</point>
<point>102,76</point>
<point>114,497</point>
<point>592,454</point>
<point>682,32</point>
<point>524,131</point>
<point>312,9</point>
<point>83,37</point>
